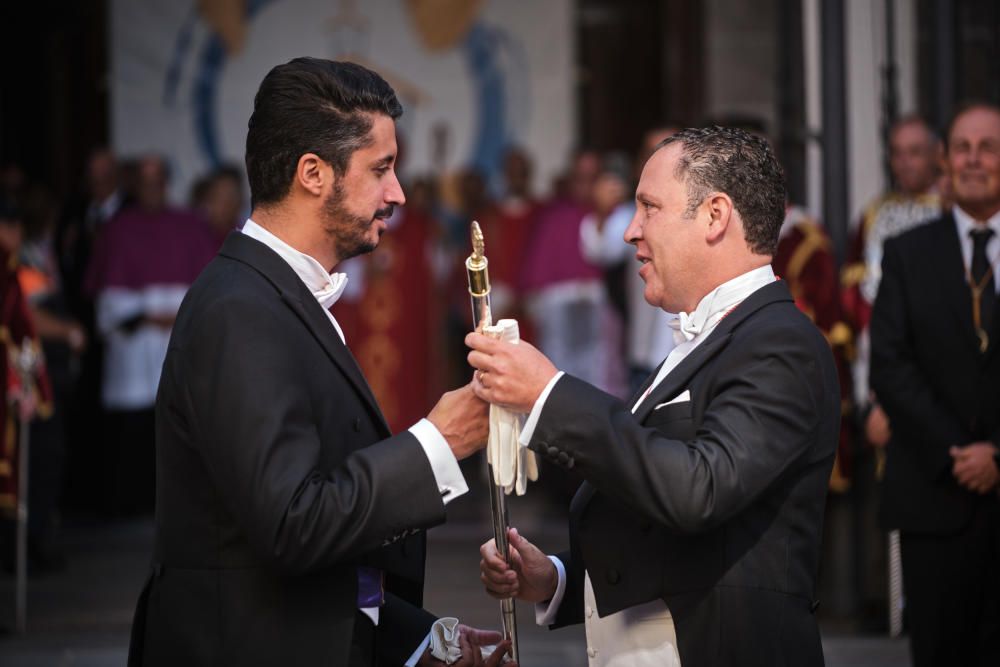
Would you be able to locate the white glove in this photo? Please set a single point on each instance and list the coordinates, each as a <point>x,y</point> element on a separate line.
<point>444,641</point>
<point>512,464</point>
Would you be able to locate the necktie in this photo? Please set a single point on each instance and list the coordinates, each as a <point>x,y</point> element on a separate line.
<point>982,283</point>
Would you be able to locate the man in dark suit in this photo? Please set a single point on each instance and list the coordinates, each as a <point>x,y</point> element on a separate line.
<point>695,538</point>
<point>287,514</point>
<point>935,369</point>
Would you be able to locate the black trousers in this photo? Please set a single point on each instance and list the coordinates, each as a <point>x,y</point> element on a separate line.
<point>363,642</point>
<point>952,589</point>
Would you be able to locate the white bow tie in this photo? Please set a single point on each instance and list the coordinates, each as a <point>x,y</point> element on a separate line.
<point>686,327</point>
<point>332,290</point>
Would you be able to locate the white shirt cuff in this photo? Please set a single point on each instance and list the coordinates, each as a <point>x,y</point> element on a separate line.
<point>447,474</point>
<point>415,656</point>
<point>528,429</point>
<point>545,612</point>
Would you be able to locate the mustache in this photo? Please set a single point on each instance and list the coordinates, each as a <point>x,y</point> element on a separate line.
<point>384,213</point>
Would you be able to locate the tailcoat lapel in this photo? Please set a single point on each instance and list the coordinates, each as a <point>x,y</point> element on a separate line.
<point>680,377</point>
<point>297,296</point>
<point>951,273</point>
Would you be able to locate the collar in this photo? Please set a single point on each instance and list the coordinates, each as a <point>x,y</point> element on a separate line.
<point>966,223</point>
<point>716,304</point>
<point>326,287</point>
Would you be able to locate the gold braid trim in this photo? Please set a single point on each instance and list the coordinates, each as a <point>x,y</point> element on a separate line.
<point>9,445</point>
<point>839,334</point>
<point>838,483</point>
<point>812,242</point>
<point>852,274</point>
<point>871,213</point>
<point>43,409</point>
<point>930,199</point>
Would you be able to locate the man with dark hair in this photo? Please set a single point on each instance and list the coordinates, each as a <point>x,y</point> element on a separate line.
<point>913,200</point>
<point>695,538</point>
<point>287,516</point>
<point>219,197</point>
<point>914,156</point>
<point>935,369</point>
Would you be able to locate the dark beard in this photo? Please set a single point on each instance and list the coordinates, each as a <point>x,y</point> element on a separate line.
<point>348,230</point>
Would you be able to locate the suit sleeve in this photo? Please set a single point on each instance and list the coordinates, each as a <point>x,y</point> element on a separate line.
<point>763,417</point>
<point>900,385</point>
<point>570,612</point>
<point>256,422</point>
<point>401,628</point>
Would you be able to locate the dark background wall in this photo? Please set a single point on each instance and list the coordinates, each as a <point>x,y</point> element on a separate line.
<point>54,92</point>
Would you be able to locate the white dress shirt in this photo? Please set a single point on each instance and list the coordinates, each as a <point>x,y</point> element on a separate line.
<point>965,223</point>
<point>327,288</point>
<point>644,635</point>
<point>133,360</point>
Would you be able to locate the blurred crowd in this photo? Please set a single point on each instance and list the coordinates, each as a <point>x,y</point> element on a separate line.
<point>94,280</point>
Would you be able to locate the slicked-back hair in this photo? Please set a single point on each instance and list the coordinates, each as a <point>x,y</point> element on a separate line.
<point>311,105</point>
<point>741,165</point>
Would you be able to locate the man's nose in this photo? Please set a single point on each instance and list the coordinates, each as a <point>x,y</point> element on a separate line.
<point>394,193</point>
<point>633,233</point>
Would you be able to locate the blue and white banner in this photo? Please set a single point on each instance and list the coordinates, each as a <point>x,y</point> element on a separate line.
<point>474,77</point>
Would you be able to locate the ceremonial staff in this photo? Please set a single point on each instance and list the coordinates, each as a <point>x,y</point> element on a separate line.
<point>25,364</point>
<point>482,316</point>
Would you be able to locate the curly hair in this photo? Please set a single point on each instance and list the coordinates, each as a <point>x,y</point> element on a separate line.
<point>741,165</point>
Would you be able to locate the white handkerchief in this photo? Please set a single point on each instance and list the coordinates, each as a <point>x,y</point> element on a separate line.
<point>679,398</point>
<point>444,641</point>
<point>512,465</point>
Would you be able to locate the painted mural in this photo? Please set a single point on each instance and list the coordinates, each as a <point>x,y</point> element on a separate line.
<point>475,77</point>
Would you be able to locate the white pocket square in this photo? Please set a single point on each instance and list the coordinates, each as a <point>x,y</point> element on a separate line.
<point>679,398</point>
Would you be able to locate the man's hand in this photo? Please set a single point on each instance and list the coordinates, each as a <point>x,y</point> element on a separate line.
<point>531,577</point>
<point>463,420</point>
<point>974,466</point>
<point>472,641</point>
<point>877,430</point>
<point>511,375</point>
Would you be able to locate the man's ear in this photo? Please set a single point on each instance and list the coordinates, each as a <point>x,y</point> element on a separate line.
<point>312,174</point>
<point>720,214</point>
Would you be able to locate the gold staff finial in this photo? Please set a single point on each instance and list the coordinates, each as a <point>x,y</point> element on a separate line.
<point>478,244</point>
<point>476,264</point>
<point>477,260</point>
